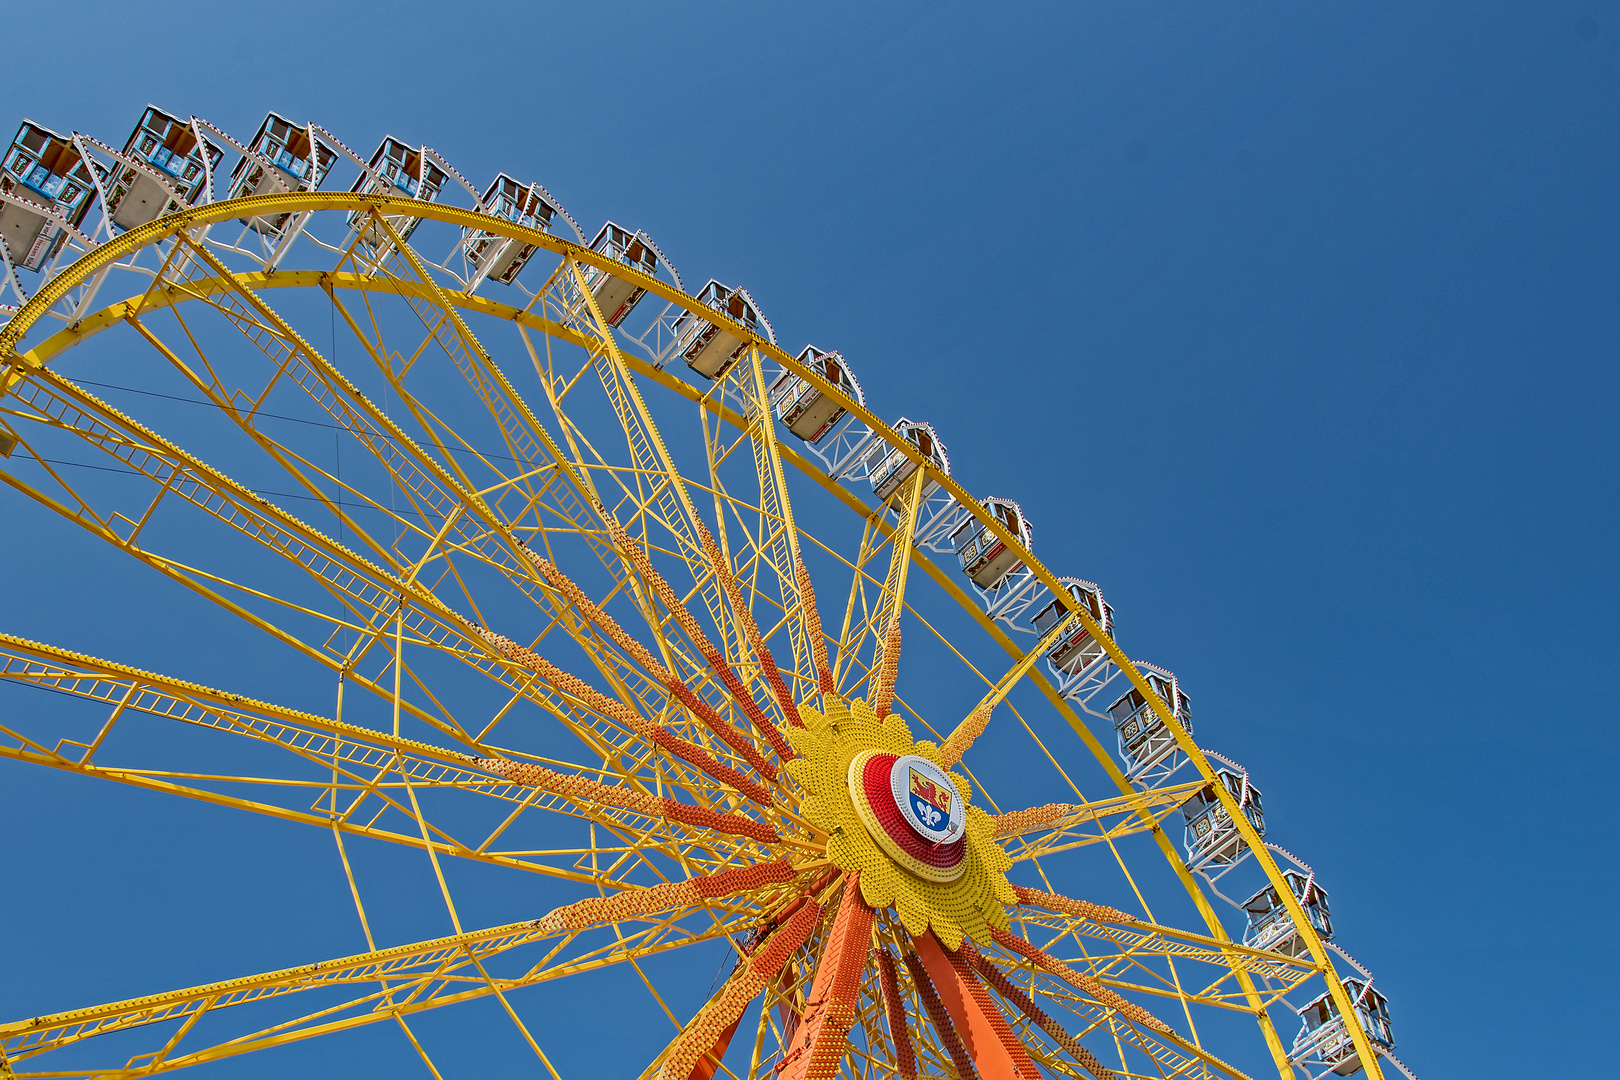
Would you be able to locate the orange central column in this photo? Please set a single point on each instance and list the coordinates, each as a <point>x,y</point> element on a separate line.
<point>989,1041</point>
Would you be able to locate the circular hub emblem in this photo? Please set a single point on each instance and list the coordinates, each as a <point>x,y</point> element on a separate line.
<point>927,799</point>
<point>913,810</point>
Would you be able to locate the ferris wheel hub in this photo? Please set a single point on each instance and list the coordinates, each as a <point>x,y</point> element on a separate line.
<point>893,812</point>
<point>912,808</point>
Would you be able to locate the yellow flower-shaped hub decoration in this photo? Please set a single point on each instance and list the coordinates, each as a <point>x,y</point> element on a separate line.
<point>952,881</point>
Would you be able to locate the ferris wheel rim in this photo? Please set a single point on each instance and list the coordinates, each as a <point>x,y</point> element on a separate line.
<point>144,236</point>
<point>105,255</point>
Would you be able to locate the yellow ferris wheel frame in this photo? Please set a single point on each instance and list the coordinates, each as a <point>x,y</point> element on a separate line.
<point>18,364</point>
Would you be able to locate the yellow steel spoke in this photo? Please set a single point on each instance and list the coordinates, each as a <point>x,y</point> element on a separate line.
<point>973,725</point>
<point>352,760</point>
<point>416,978</point>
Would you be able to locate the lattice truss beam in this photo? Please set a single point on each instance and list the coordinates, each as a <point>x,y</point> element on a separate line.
<point>563,645</point>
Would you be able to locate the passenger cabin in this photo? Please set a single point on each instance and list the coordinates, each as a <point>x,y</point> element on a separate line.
<point>806,411</point>
<point>173,171</point>
<point>1325,1037</point>
<point>1077,650</point>
<point>1272,928</point>
<point>1144,740</point>
<point>398,171</point>
<point>710,349</point>
<point>616,296</point>
<point>984,557</point>
<point>284,157</point>
<point>46,170</point>
<point>500,258</point>
<point>888,467</point>
<point>1212,837</point>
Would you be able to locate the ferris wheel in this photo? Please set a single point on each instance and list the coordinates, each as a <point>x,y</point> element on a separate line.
<point>606,591</point>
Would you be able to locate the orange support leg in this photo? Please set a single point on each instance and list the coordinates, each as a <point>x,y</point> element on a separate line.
<point>709,1063</point>
<point>818,1045</point>
<point>988,1039</point>
<point>940,1017</point>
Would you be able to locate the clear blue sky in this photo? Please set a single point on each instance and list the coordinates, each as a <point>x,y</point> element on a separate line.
<point>1295,325</point>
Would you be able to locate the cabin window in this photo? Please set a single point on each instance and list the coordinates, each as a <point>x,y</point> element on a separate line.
<point>1125,706</point>
<point>1048,617</point>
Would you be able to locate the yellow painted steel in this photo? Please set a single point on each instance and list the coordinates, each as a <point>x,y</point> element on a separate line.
<point>417,287</point>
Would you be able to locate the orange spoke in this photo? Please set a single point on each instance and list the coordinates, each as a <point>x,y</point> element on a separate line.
<point>633,903</point>
<point>1084,909</point>
<point>638,802</point>
<point>940,1018</point>
<point>1080,981</point>
<point>760,968</point>
<point>577,688</point>
<point>894,1007</point>
<point>728,677</point>
<point>745,618</point>
<point>728,733</point>
<point>812,626</point>
<point>888,669</point>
